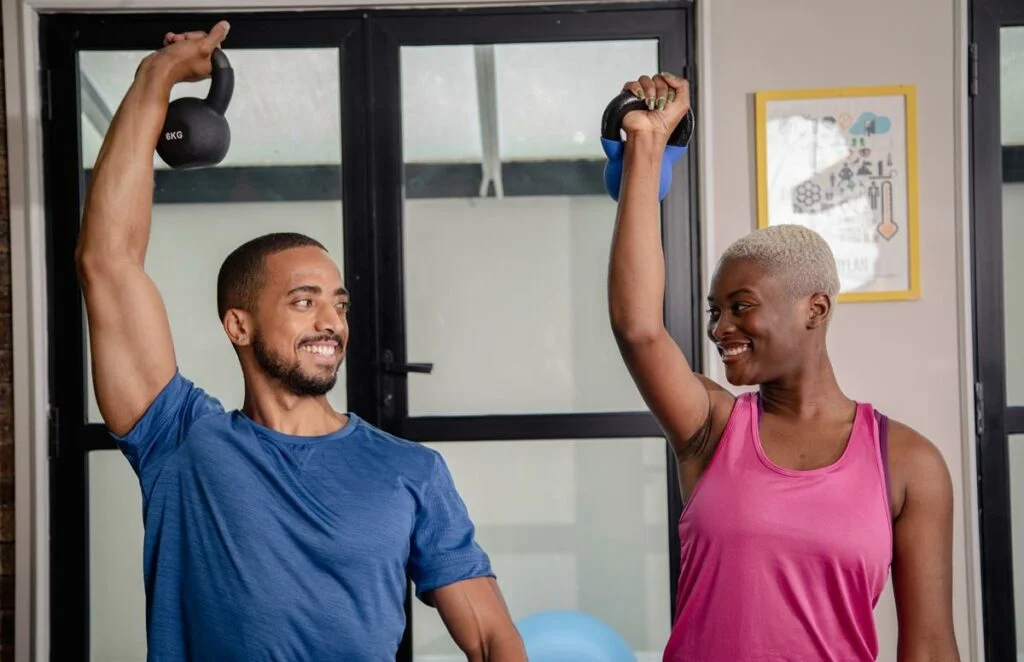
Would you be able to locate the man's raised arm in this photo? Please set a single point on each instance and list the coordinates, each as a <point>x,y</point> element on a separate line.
<point>130,337</point>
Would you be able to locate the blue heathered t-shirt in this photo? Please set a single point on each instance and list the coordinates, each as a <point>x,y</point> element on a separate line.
<point>263,546</point>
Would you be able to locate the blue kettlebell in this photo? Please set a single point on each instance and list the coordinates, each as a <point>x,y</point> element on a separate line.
<point>611,143</point>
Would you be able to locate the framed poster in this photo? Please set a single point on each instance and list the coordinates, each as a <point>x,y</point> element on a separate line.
<point>843,162</point>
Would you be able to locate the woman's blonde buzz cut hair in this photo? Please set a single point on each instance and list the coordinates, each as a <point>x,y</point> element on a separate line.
<point>798,254</point>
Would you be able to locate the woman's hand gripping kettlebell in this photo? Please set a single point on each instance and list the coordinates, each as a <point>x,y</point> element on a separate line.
<point>668,100</point>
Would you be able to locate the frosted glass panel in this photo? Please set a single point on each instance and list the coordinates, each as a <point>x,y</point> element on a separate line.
<point>569,525</point>
<point>189,240</point>
<point>506,295</point>
<point>117,594</point>
<point>1011,85</point>
<point>545,111</point>
<point>295,91</point>
<point>1016,458</point>
<point>1012,98</point>
<point>1013,301</point>
<point>507,299</point>
<point>439,105</point>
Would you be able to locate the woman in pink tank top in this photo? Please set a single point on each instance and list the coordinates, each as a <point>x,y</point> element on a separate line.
<point>798,499</point>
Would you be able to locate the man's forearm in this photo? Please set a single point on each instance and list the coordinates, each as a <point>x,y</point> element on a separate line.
<point>119,201</point>
<point>506,646</point>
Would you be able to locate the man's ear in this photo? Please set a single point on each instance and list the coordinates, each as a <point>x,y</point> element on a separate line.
<point>818,312</point>
<point>238,325</point>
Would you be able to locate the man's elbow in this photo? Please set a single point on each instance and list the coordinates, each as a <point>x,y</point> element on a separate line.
<point>104,266</point>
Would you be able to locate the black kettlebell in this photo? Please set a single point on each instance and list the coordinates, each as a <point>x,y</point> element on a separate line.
<point>196,133</point>
<point>611,143</point>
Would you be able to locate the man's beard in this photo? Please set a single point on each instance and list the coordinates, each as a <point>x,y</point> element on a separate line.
<point>291,376</point>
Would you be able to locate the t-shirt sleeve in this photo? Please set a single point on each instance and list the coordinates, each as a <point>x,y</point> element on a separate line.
<point>444,549</point>
<point>165,423</point>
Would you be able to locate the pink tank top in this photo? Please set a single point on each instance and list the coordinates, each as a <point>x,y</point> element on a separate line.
<point>780,565</point>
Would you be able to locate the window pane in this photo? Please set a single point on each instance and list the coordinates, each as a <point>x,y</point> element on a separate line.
<point>1015,449</point>
<point>1011,84</point>
<point>544,113</point>
<point>117,594</point>
<point>440,128</point>
<point>263,185</point>
<point>302,109</point>
<point>505,283</point>
<point>1012,95</point>
<point>569,525</point>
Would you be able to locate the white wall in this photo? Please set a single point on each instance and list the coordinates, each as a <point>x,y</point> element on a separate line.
<point>901,356</point>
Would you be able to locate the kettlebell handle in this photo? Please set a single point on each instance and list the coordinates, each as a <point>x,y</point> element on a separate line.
<point>620,106</point>
<point>613,146</point>
<point>222,82</point>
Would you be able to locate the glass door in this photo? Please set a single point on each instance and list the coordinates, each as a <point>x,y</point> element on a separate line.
<point>289,178</point>
<point>495,276</point>
<point>459,186</point>
<point>997,119</point>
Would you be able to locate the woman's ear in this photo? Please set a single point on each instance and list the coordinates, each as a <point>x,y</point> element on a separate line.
<point>821,306</point>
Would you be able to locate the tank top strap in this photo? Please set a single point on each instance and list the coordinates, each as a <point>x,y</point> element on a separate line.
<point>871,433</point>
<point>734,447</point>
<point>882,426</point>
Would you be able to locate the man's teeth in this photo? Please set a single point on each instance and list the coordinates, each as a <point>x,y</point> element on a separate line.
<point>735,351</point>
<point>322,350</point>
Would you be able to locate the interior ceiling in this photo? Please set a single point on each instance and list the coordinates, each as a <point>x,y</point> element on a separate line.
<point>286,105</point>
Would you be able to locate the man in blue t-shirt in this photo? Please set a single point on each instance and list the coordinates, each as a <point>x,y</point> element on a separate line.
<point>284,530</point>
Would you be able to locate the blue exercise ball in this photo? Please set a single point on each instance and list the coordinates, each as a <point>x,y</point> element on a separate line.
<point>571,636</point>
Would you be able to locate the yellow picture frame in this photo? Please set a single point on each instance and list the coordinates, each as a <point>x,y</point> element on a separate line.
<point>844,162</point>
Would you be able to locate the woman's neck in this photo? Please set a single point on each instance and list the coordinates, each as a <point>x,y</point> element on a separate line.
<point>810,392</point>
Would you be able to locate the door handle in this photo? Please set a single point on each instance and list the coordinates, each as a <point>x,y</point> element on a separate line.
<point>393,368</point>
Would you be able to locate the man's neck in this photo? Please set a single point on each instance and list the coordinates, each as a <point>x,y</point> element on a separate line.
<point>287,413</point>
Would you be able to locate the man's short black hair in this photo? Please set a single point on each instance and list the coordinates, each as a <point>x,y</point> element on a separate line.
<point>241,274</point>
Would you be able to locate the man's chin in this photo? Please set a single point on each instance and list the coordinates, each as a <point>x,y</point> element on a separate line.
<point>321,374</point>
<point>313,388</point>
<point>315,381</point>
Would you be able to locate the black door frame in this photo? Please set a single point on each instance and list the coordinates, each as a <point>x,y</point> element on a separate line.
<point>991,166</point>
<point>372,201</point>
